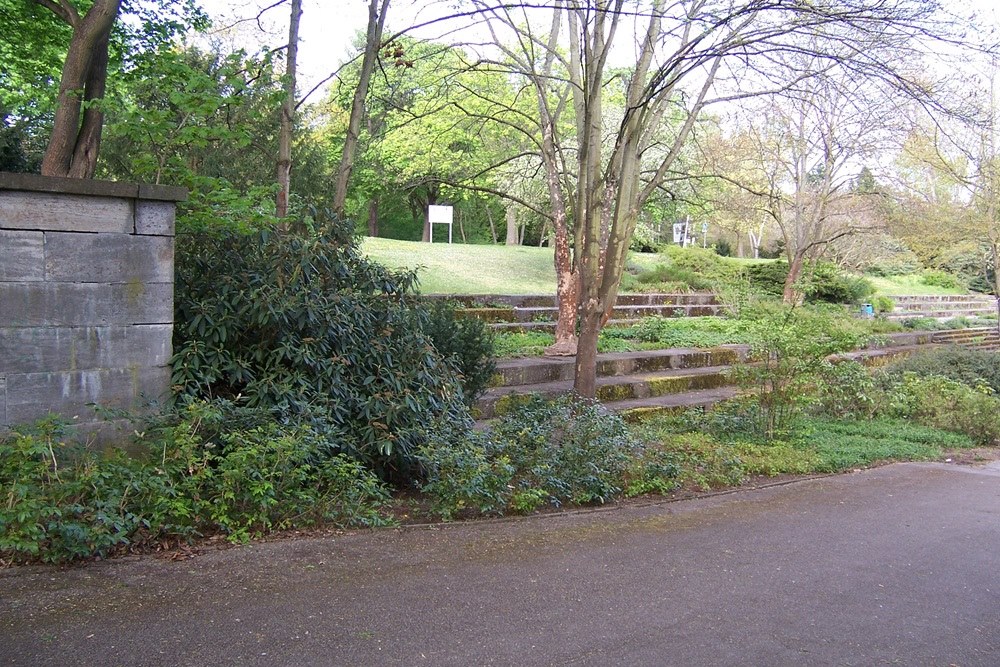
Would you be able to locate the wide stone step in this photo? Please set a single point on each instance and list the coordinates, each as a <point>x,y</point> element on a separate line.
<point>543,319</point>
<point>537,370</point>
<point>549,300</point>
<point>971,334</point>
<point>942,298</point>
<point>635,410</point>
<point>940,314</point>
<point>947,305</point>
<point>500,400</point>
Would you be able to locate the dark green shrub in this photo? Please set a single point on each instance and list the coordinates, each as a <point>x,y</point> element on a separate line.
<point>723,248</point>
<point>541,452</point>
<point>821,282</point>
<point>467,343</point>
<point>961,364</point>
<point>306,326</point>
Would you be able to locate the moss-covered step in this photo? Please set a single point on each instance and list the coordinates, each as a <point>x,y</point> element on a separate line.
<point>534,370</point>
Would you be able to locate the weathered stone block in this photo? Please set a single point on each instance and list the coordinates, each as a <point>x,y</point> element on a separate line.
<point>42,304</point>
<point>22,256</point>
<point>3,402</point>
<point>70,393</point>
<point>38,349</point>
<point>154,218</point>
<point>54,304</point>
<point>55,212</point>
<point>141,303</point>
<point>108,258</point>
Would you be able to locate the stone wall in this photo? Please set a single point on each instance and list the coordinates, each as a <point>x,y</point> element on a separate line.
<point>86,296</point>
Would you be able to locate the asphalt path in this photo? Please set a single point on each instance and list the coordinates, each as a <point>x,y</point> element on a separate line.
<point>898,565</point>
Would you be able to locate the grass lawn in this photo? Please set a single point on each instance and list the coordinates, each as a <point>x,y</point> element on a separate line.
<point>481,269</point>
<point>498,269</point>
<point>907,285</point>
<point>468,269</point>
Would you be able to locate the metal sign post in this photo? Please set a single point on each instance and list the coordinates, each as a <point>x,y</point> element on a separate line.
<point>440,215</point>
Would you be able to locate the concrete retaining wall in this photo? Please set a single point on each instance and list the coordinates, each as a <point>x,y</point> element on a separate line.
<point>86,295</point>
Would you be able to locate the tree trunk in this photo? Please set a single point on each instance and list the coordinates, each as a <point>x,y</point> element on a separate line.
<point>791,295</point>
<point>567,293</point>
<point>76,131</point>
<point>373,42</point>
<point>493,227</point>
<point>284,165</point>
<point>373,217</point>
<point>510,215</point>
<point>585,376</point>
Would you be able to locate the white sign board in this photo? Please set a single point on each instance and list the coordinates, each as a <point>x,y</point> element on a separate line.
<point>440,215</point>
<point>679,235</point>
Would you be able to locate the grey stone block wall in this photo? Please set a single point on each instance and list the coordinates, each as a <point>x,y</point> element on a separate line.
<point>86,296</point>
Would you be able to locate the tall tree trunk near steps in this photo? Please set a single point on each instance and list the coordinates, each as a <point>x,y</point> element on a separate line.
<point>373,217</point>
<point>566,341</point>
<point>567,292</point>
<point>791,295</point>
<point>510,216</point>
<point>585,375</point>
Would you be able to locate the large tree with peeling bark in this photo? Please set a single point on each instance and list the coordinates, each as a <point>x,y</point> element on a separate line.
<point>688,54</point>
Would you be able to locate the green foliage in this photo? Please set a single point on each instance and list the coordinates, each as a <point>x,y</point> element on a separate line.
<point>466,343</point>
<point>708,455</point>
<point>847,390</point>
<point>671,459</point>
<point>954,362</point>
<point>683,331</point>
<point>938,278</point>
<point>883,304</point>
<point>563,451</point>
<point>209,468</point>
<point>521,344</point>
<point>848,444</point>
<point>668,274</point>
<point>788,351</point>
<point>950,405</point>
<point>305,326</point>
<point>821,282</point>
<point>61,502</point>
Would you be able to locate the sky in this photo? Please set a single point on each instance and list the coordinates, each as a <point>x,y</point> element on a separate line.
<point>329,27</point>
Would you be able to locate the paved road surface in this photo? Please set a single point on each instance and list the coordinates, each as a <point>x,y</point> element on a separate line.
<point>898,565</point>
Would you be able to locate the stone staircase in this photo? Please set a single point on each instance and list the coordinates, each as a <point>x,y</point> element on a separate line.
<point>637,384</point>
<point>536,312</point>
<point>979,338</point>
<point>943,307</point>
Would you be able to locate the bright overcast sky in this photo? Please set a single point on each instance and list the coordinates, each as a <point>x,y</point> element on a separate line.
<point>328,28</point>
